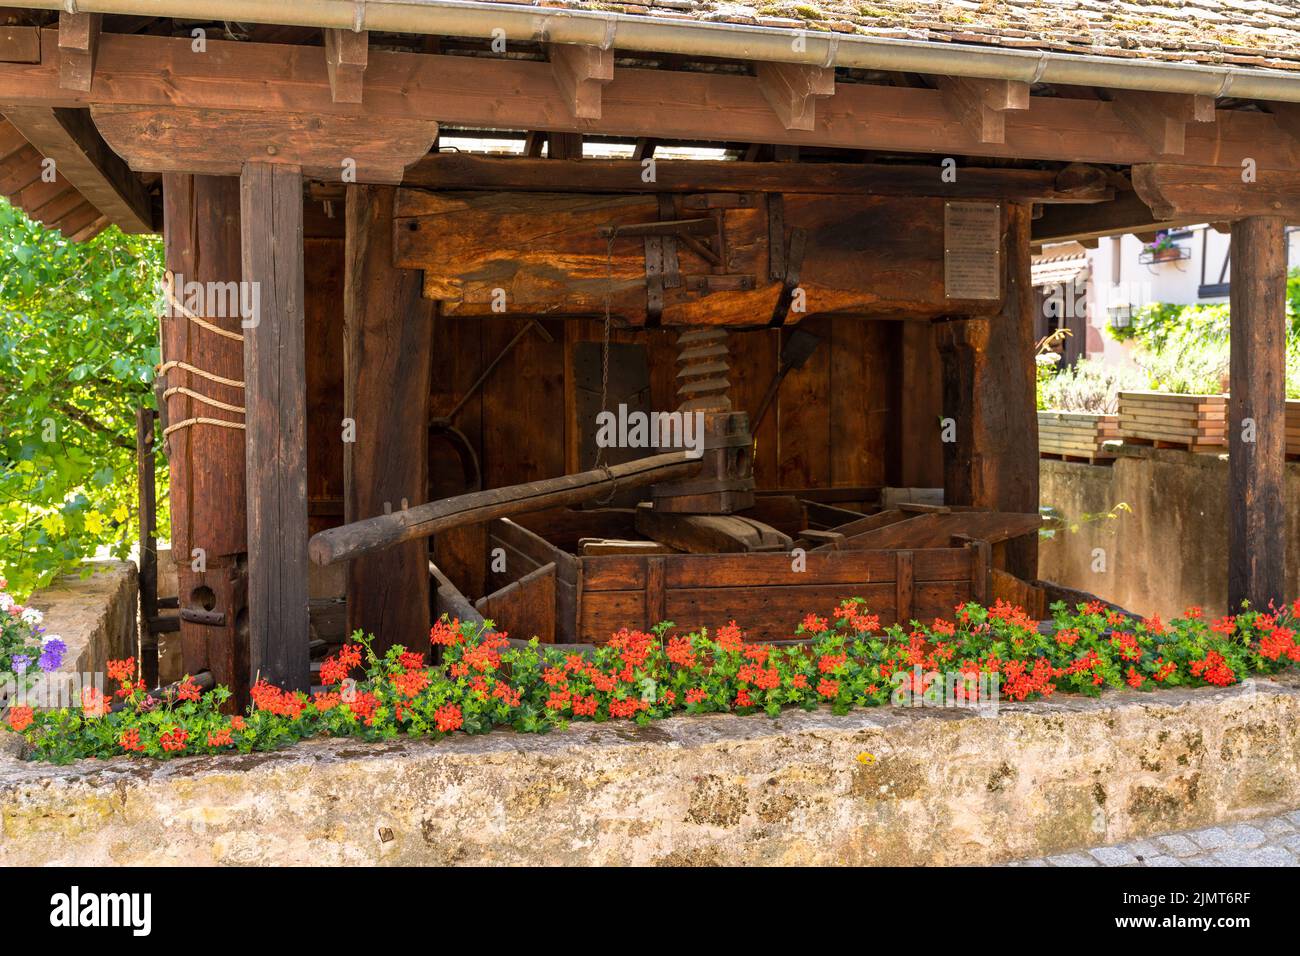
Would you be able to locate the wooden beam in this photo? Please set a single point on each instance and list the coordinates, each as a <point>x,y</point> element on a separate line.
<point>77,220</point>
<point>201,239</point>
<point>346,54</point>
<point>580,73</point>
<point>387,358</point>
<point>708,534</point>
<point>981,105</point>
<point>138,70</point>
<point>1200,193</point>
<point>1125,213</point>
<point>988,391</point>
<point>1287,117</point>
<point>78,46</point>
<point>792,90</point>
<point>83,158</point>
<point>219,143</point>
<point>464,171</point>
<point>275,391</point>
<point>20,44</point>
<point>566,146</point>
<point>1161,118</point>
<point>370,534</point>
<point>1257,415</point>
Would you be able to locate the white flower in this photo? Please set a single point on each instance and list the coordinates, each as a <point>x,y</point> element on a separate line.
<point>32,616</point>
<point>46,638</point>
<point>6,602</point>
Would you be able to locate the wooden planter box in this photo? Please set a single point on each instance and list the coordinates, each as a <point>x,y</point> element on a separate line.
<point>1076,436</point>
<point>565,598</point>
<point>1293,429</point>
<point>1194,422</point>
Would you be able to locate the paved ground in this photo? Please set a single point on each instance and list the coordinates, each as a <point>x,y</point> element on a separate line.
<point>1267,841</point>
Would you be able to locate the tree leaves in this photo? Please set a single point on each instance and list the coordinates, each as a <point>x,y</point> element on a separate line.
<point>78,345</point>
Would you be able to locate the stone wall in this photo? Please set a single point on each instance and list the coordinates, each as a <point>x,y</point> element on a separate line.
<point>1169,550</point>
<point>95,614</point>
<point>885,786</point>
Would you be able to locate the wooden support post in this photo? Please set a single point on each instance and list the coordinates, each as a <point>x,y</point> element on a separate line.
<point>146,497</point>
<point>387,357</point>
<point>988,392</point>
<point>78,44</point>
<point>1257,414</point>
<point>271,210</point>
<point>209,527</point>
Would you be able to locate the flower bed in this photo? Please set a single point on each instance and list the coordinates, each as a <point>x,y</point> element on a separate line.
<point>848,662</point>
<point>25,649</point>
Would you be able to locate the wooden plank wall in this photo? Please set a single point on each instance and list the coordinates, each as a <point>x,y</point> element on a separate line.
<point>839,421</point>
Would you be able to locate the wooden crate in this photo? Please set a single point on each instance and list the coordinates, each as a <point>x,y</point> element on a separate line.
<point>1076,436</point>
<point>1194,422</point>
<point>766,596</point>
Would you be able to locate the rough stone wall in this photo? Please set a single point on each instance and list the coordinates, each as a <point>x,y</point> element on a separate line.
<point>95,615</point>
<point>1171,551</point>
<point>887,786</point>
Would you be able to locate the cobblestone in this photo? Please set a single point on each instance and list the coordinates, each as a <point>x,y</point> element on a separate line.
<point>1268,841</point>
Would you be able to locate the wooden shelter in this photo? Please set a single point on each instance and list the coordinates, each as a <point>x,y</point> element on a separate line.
<point>470,228</point>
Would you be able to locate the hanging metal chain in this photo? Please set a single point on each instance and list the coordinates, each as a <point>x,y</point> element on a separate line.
<point>604,348</point>
<point>604,361</point>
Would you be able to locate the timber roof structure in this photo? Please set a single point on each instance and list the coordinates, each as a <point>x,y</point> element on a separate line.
<point>1029,85</point>
<point>1260,33</point>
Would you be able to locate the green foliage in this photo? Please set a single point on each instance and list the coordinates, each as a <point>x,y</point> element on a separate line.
<point>1177,348</point>
<point>1088,386</point>
<point>78,346</point>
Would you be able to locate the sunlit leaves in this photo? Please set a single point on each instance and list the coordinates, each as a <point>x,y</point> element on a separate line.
<point>78,345</point>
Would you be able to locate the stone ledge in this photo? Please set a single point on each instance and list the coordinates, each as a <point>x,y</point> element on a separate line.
<point>884,786</point>
<point>95,615</point>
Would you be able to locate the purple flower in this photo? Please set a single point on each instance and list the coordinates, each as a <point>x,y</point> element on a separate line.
<point>20,663</point>
<point>52,654</point>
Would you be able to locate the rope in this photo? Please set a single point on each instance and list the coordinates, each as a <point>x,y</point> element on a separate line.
<point>200,321</point>
<point>186,366</point>
<point>200,421</point>
<point>165,367</point>
<point>197,396</point>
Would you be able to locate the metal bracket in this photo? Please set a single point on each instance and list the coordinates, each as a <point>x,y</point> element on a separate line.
<point>794,263</point>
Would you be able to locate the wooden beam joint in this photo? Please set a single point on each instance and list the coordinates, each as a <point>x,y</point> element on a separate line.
<point>78,46</point>
<point>1161,118</point>
<point>792,90</point>
<point>581,72</point>
<point>982,104</point>
<point>346,56</point>
<point>1205,193</point>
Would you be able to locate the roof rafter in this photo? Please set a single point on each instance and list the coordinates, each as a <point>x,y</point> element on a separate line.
<point>80,155</point>
<point>519,94</point>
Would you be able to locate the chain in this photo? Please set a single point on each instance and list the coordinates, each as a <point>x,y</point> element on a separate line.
<point>604,361</point>
<point>604,348</point>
